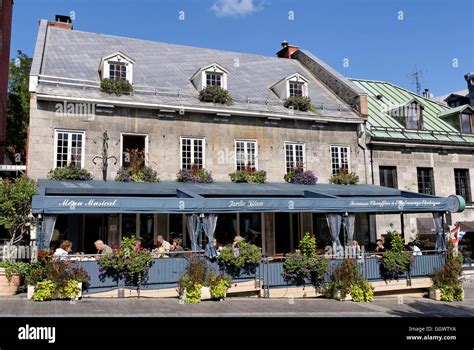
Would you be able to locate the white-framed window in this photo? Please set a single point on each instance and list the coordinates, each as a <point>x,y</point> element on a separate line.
<point>296,88</point>
<point>246,154</point>
<point>192,152</point>
<point>214,79</point>
<point>294,155</point>
<point>210,75</point>
<point>339,159</point>
<point>117,71</point>
<point>69,148</point>
<point>117,66</point>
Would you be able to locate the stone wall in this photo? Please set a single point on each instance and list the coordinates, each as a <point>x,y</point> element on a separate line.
<point>164,141</point>
<point>443,171</point>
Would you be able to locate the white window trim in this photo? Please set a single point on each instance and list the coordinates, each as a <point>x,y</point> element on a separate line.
<point>83,151</point>
<point>246,152</point>
<point>294,152</point>
<point>133,134</point>
<point>114,58</point>
<point>203,139</point>
<point>215,70</point>
<point>348,156</point>
<point>305,87</point>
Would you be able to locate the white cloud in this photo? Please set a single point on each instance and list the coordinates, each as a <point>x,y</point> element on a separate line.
<point>223,8</point>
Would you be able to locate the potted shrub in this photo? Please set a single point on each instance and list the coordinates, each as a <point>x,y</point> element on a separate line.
<point>200,282</point>
<point>215,94</point>
<point>299,103</point>
<point>10,277</point>
<point>447,282</point>
<point>137,171</point>
<point>195,174</point>
<point>249,175</point>
<point>70,172</point>
<point>60,279</point>
<point>344,178</point>
<point>347,283</point>
<point>395,262</point>
<point>305,265</point>
<point>127,261</point>
<point>35,273</point>
<point>239,259</point>
<point>300,176</point>
<point>119,87</point>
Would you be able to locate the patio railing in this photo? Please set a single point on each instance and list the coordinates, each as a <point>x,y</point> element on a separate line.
<point>166,272</point>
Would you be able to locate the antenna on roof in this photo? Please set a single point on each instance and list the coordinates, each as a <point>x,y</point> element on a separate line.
<point>417,79</point>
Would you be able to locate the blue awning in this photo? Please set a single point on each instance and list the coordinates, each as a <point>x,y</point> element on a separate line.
<point>82,197</point>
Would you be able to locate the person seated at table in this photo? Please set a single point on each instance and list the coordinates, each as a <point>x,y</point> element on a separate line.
<point>162,247</point>
<point>414,249</point>
<point>64,249</point>
<point>139,244</point>
<point>216,246</point>
<point>354,250</point>
<point>176,248</point>
<point>102,248</point>
<point>380,248</point>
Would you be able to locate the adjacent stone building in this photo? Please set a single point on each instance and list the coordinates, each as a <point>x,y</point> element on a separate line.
<point>420,145</point>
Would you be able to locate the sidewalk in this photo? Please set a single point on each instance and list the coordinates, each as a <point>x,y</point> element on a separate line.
<point>19,306</point>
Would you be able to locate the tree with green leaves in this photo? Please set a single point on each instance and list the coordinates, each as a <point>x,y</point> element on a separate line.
<point>15,208</point>
<point>18,104</point>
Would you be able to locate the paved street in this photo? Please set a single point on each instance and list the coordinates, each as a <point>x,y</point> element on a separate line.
<point>244,307</point>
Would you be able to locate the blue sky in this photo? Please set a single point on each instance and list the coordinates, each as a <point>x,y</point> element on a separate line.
<point>379,39</point>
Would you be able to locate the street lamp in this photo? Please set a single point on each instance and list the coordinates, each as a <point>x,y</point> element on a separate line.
<point>105,158</point>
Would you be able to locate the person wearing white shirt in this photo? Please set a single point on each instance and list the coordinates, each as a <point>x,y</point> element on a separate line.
<point>64,249</point>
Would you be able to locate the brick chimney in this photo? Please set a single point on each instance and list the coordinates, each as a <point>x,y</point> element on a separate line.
<point>6,9</point>
<point>287,50</point>
<point>470,86</point>
<point>61,21</point>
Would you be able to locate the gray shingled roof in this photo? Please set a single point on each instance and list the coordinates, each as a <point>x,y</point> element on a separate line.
<point>76,55</point>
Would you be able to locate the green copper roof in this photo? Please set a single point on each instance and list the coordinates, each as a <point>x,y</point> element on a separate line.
<point>451,111</point>
<point>383,97</point>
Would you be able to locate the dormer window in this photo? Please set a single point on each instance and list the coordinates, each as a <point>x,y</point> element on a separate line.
<point>213,79</point>
<point>296,88</point>
<point>211,75</point>
<point>409,115</point>
<point>293,85</point>
<point>117,71</point>
<point>116,66</point>
<point>461,118</point>
<point>467,123</point>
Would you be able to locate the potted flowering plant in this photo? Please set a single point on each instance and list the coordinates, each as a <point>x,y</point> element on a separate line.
<point>242,258</point>
<point>447,281</point>
<point>10,276</point>
<point>137,171</point>
<point>127,261</point>
<point>305,265</point>
<point>344,178</point>
<point>300,176</point>
<point>249,175</point>
<point>215,94</point>
<point>200,282</point>
<point>195,174</point>
<point>70,172</point>
<point>347,283</point>
<point>57,279</point>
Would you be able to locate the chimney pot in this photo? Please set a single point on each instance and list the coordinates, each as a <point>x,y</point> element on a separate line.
<point>287,50</point>
<point>61,21</point>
